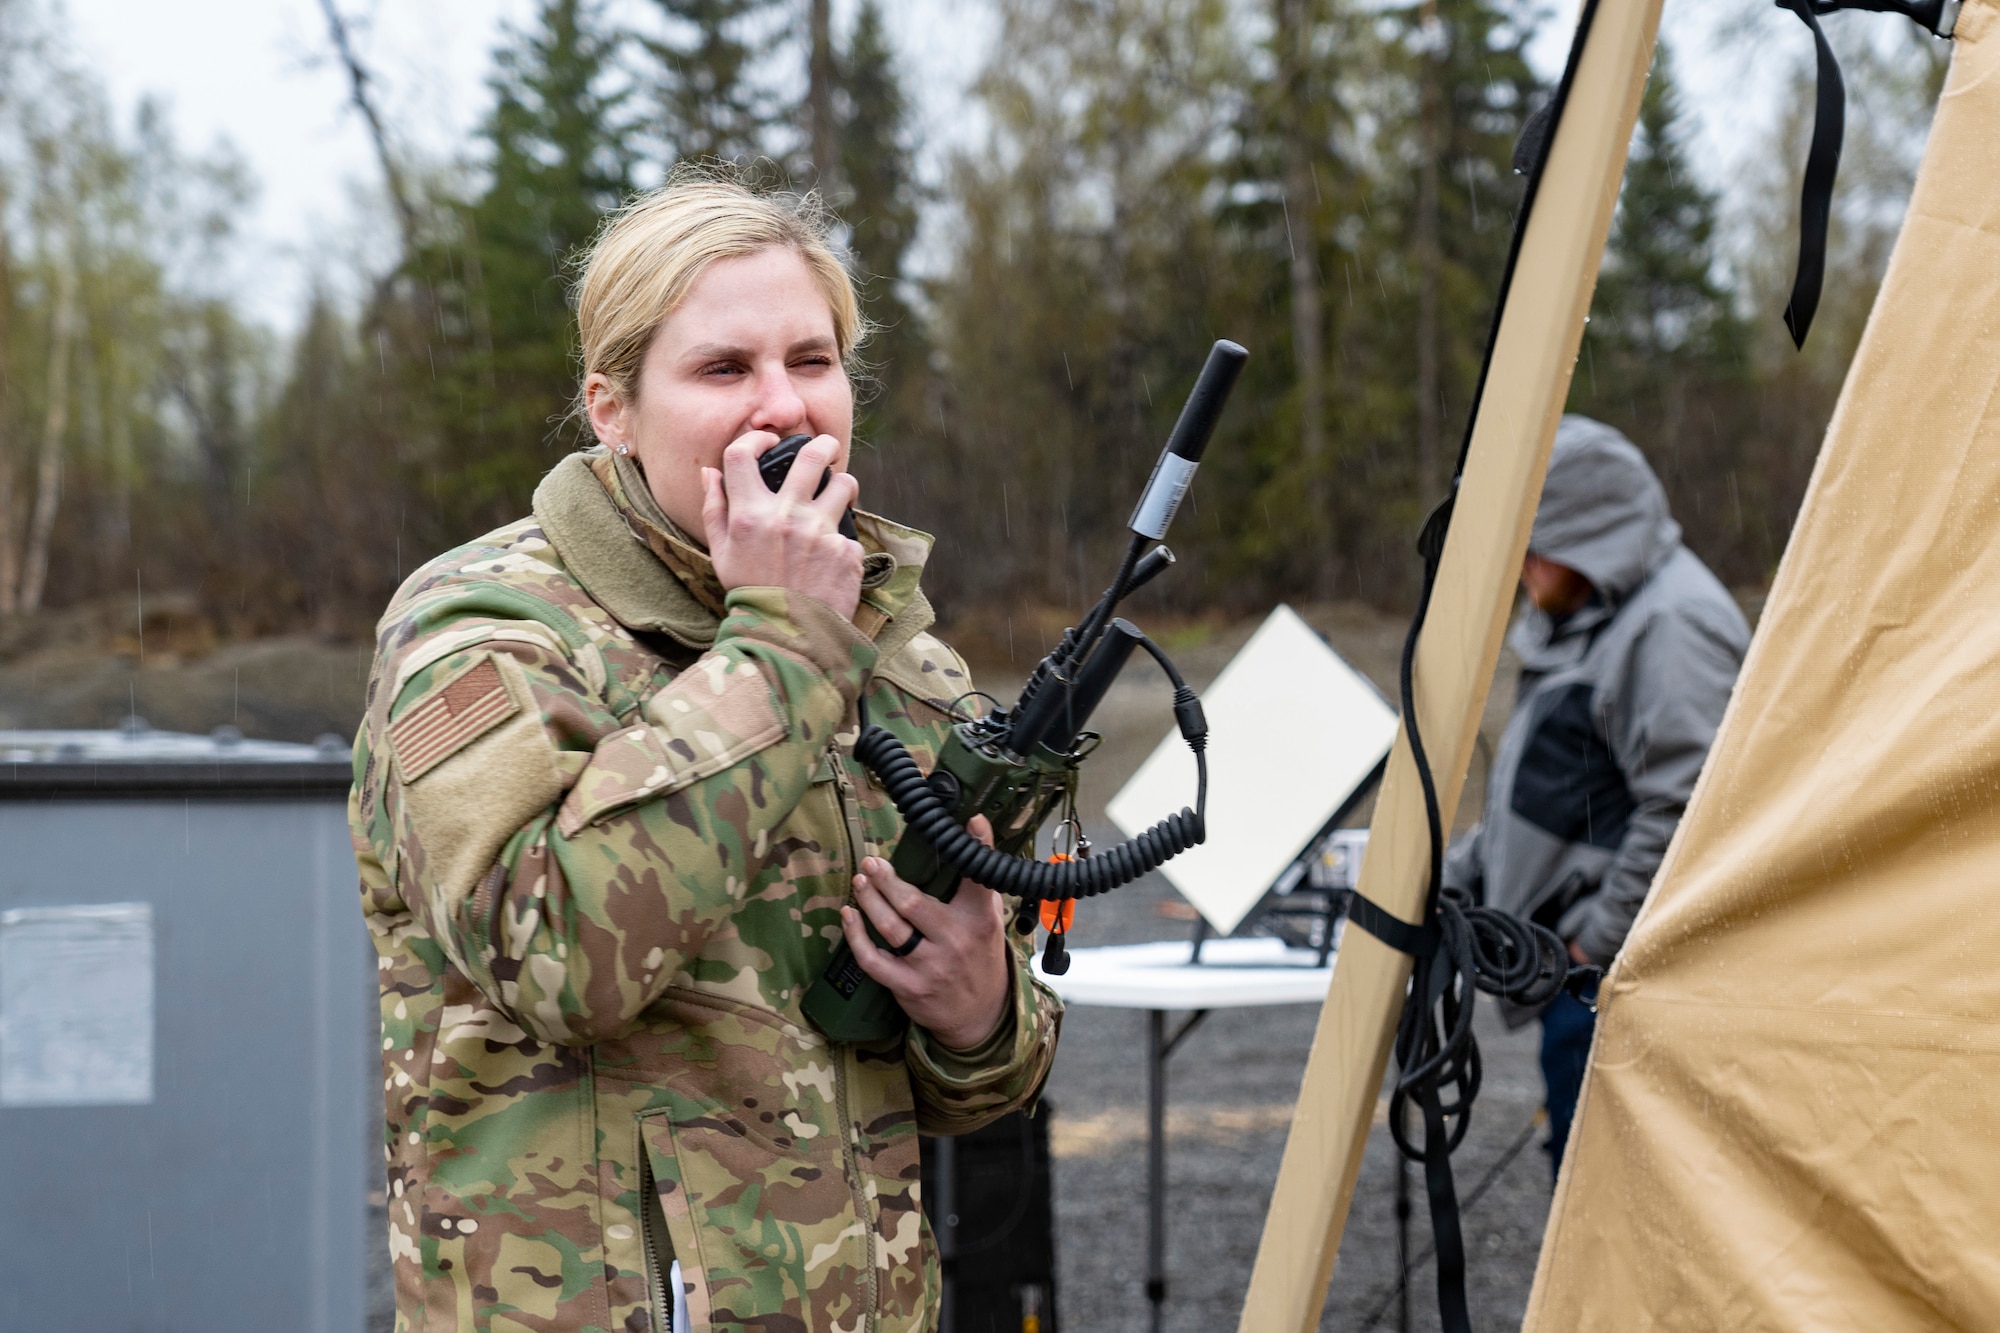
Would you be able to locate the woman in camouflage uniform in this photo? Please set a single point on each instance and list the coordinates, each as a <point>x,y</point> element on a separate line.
<point>610,827</point>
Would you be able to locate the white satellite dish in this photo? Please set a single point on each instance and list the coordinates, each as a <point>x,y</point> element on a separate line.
<point>1293,732</point>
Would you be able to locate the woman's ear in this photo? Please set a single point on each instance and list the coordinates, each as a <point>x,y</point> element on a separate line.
<point>609,419</point>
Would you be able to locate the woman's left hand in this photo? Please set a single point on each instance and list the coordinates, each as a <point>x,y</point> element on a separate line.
<point>954,984</point>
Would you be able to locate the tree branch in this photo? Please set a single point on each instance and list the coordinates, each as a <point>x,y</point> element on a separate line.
<point>358,78</point>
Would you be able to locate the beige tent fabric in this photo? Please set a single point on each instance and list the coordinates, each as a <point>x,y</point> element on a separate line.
<point>1792,1119</point>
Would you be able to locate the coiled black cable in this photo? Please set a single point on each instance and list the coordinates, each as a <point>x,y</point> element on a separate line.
<point>928,816</point>
<point>925,813</point>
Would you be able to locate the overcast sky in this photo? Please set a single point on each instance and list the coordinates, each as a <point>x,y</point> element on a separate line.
<point>257,73</point>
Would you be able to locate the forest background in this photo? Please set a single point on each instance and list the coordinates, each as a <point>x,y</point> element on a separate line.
<point>1326,181</point>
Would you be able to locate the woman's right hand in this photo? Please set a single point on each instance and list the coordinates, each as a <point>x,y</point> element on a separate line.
<point>786,538</point>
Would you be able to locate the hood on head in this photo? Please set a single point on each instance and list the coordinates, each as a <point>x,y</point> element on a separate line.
<point>1603,513</point>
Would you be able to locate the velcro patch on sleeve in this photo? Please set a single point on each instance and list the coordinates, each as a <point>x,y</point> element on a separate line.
<point>454,713</point>
<point>712,717</point>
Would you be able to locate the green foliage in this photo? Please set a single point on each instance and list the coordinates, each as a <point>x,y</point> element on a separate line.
<point>1155,174</point>
<point>128,384</point>
<point>1084,289</point>
<point>1112,229</point>
<point>706,104</point>
<point>1476,50</point>
<point>1659,295</point>
<point>876,168</point>
<point>879,200</point>
<point>558,160</point>
<point>1294,181</point>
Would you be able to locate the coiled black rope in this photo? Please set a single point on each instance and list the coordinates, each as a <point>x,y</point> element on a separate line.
<point>926,813</point>
<point>1483,947</point>
<point>1475,947</point>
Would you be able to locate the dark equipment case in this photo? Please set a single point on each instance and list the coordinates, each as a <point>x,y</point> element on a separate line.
<point>989,1203</point>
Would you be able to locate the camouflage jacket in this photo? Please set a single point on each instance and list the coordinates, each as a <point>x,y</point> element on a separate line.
<point>606,816</point>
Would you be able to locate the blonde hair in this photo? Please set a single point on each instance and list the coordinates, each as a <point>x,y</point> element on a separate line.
<point>650,253</point>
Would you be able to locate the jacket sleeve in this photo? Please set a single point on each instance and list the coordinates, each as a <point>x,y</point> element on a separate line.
<point>1659,722</point>
<point>960,1091</point>
<point>568,862</point>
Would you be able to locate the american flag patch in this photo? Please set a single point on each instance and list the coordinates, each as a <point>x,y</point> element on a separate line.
<point>455,713</point>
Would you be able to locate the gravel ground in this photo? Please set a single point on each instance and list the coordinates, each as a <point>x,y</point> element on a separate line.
<point>1231,1087</point>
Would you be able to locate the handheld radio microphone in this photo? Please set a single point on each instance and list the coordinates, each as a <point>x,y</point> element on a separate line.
<point>775,464</point>
<point>1175,471</point>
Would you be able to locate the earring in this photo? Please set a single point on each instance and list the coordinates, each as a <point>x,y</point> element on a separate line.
<point>622,448</point>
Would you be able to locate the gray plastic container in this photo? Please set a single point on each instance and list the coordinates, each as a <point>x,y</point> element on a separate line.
<point>187,1079</point>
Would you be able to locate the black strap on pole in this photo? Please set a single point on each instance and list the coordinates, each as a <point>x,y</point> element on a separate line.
<point>1938,17</point>
<point>1392,930</point>
<point>1822,165</point>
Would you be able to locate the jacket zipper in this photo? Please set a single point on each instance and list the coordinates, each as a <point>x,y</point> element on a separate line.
<point>857,838</point>
<point>850,1132</point>
<point>656,1273</point>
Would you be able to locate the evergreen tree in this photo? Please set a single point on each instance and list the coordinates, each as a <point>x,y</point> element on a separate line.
<point>879,201</point>
<point>705,103</point>
<point>1470,56</point>
<point>1664,354</point>
<point>1297,178</point>
<point>1158,173</point>
<point>1087,282</point>
<point>1425,240</point>
<point>1659,295</point>
<point>558,160</point>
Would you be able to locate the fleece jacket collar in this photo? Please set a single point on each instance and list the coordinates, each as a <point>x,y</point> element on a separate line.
<point>597,512</point>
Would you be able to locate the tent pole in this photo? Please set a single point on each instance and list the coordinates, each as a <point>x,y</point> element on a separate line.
<point>1533,357</point>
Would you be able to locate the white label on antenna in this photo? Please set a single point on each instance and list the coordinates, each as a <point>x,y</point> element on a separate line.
<point>1163,496</point>
<point>76,1005</point>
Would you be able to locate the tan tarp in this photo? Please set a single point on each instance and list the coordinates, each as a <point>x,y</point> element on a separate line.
<point>1792,1118</point>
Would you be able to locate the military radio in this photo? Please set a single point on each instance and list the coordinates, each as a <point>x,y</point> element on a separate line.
<point>1018,766</point>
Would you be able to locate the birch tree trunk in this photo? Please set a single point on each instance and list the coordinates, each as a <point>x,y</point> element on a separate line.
<point>55,426</point>
<point>9,538</point>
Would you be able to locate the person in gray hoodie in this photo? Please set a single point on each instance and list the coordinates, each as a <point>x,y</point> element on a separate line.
<point>1629,648</point>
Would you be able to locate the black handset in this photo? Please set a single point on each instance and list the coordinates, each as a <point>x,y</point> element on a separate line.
<point>776,465</point>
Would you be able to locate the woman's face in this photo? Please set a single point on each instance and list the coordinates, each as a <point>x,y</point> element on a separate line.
<point>751,348</point>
